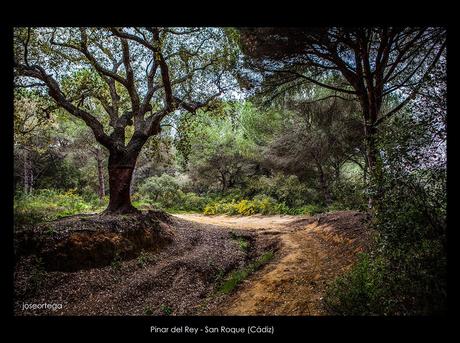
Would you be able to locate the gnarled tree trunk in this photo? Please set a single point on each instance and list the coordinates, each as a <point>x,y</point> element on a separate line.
<point>121,167</point>
<point>100,174</point>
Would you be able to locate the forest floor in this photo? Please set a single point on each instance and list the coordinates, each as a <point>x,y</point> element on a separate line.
<point>184,276</point>
<point>313,252</point>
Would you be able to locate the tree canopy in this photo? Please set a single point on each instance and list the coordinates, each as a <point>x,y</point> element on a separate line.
<point>268,120</point>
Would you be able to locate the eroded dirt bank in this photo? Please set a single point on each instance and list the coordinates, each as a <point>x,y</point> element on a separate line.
<point>178,279</point>
<point>182,277</point>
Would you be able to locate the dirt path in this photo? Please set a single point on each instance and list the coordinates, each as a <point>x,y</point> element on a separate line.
<point>181,277</point>
<point>176,280</point>
<point>257,222</point>
<point>314,251</point>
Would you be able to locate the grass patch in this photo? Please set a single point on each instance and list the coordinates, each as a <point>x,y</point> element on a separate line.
<point>143,259</point>
<point>50,231</point>
<point>148,311</point>
<point>49,204</point>
<point>242,242</point>
<point>166,310</point>
<point>237,276</point>
<point>116,262</point>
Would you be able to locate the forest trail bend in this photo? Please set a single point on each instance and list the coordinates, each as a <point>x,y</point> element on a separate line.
<point>313,252</point>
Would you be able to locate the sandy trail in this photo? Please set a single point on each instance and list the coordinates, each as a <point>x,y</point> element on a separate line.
<point>181,278</point>
<point>257,222</point>
<point>314,251</point>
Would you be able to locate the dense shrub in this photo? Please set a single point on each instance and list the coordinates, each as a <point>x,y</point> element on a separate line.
<point>220,207</point>
<point>393,282</point>
<point>190,202</point>
<point>310,210</point>
<point>160,189</point>
<point>284,189</point>
<point>47,204</point>
<point>348,195</point>
<point>406,274</point>
<point>260,204</point>
<point>361,291</point>
<point>168,193</point>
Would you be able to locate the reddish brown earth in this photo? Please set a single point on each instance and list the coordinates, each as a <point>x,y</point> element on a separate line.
<point>181,276</point>
<point>313,252</point>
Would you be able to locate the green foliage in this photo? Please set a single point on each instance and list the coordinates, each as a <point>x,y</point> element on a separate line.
<point>143,259</point>
<point>361,291</point>
<point>190,202</point>
<point>413,208</point>
<point>163,189</point>
<point>63,175</point>
<point>30,119</point>
<point>259,204</point>
<point>292,156</point>
<point>116,262</point>
<point>261,126</point>
<point>309,210</point>
<point>166,310</point>
<point>233,280</point>
<point>220,207</point>
<point>406,273</point>
<point>236,277</point>
<point>217,150</point>
<point>168,193</point>
<point>393,282</point>
<point>48,204</point>
<point>349,193</point>
<point>193,202</point>
<point>148,311</point>
<point>242,242</point>
<point>287,189</point>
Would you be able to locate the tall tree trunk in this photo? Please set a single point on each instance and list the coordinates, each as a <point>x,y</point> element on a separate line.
<point>323,184</point>
<point>100,174</point>
<point>31,178</point>
<point>374,167</point>
<point>322,180</point>
<point>25,171</point>
<point>121,167</point>
<point>365,164</point>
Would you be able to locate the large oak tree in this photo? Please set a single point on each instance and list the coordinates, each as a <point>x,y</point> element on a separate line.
<point>138,76</point>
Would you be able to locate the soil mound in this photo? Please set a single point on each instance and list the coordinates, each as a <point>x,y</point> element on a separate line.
<point>89,241</point>
<point>180,279</point>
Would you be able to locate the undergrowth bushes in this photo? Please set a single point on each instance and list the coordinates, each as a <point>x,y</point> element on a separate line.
<point>167,193</point>
<point>48,204</point>
<point>259,204</point>
<point>406,272</point>
<point>45,204</point>
<point>397,281</point>
<point>277,194</point>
